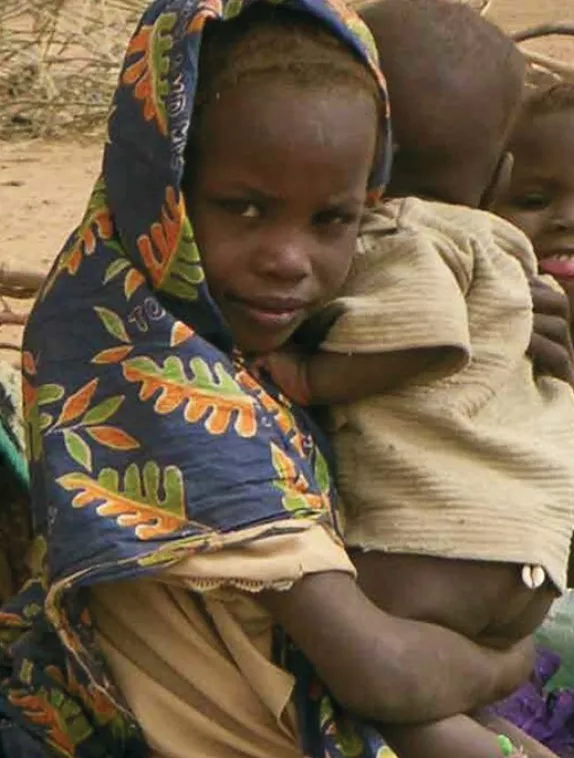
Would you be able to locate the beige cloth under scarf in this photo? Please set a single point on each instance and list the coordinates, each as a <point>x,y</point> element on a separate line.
<point>478,463</point>
<point>191,651</point>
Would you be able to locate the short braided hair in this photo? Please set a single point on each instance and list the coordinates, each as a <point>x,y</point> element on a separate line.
<point>270,43</point>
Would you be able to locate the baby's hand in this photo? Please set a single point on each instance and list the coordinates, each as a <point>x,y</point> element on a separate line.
<point>288,369</point>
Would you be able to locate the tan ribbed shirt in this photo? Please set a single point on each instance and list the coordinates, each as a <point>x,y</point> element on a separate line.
<point>476,464</point>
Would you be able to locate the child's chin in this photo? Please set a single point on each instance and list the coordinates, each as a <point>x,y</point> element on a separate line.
<point>262,344</point>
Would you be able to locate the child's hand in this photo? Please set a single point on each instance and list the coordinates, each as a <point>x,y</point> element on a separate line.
<point>551,344</point>
<point>288,369</point>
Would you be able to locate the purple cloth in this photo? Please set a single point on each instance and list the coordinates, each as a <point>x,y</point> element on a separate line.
<point>546,716</point>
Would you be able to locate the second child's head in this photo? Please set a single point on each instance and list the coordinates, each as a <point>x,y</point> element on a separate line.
<point>285,134</point>
<point>540,198</point>
<point>455,83</point>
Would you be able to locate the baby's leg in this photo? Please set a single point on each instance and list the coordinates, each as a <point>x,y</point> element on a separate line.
<point>460,737</point>
<point>528,745</point>
<point>485,602</point>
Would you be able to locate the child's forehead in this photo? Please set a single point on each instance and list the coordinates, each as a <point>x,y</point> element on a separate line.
<point>543,146</point>
<point>547,129</point>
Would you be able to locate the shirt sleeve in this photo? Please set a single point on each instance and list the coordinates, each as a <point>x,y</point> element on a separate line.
<point>275,562</point>
<point>407,286</point>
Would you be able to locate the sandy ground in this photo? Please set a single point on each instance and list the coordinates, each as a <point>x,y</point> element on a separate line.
<point>44,186</point>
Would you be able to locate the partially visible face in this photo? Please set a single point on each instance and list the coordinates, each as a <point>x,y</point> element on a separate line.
<point>275,201</point>
<point>540,200</point>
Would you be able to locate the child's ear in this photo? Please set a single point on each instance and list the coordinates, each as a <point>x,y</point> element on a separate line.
<point>500,182</point>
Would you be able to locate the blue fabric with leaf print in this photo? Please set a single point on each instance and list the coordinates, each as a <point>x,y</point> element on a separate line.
<point>145,440</point>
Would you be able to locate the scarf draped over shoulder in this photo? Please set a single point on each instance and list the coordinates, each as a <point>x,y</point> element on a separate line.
<point>147,437</point>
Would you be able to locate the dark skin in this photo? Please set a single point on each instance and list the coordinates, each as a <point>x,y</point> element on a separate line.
<point>488,603</point>
<point>540,197</point>
<point>286,224</point>
<point>540,201</point>
<point>275,244</point>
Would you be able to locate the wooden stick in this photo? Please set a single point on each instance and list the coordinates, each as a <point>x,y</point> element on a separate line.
<point>7,318</point>
<point>543,30</point>
<point>563,69</point>
<point>20,279</point>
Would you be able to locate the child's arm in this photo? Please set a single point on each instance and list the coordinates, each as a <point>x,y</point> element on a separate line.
<point>324,378</point>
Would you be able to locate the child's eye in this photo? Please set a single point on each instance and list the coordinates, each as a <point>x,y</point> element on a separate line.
<point>250,211</point>
<point>243,208</point>
<point>532,201</point>
<point>334,217</point>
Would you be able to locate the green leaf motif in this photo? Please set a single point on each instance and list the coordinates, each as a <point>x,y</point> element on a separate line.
<point>322,474</point>
<point>211,396</point>
<point>144,486</point>
<point>45,421</point>
<point>232,9</point>
<point>115,268</point>
<point>103,411</point>
<point>49,393</point>
<point>186,272</point>
<point>161,46</point>
<point>78,449</point>
<point>150,501</point>
<point>113,324</point>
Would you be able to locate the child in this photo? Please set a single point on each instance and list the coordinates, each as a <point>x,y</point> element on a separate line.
<point>458,482</point>
<point>540,198</point>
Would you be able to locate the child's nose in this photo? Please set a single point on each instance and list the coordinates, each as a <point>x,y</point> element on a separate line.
<point>287,258</point>
<point>564,217</point>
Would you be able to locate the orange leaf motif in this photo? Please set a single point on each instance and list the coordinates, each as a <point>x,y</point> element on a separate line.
<point>147,71</point>
<point>158,248</point>
<point>217,399</point>
<point>212,9</point>
<point>43,713</point>
<point>111,437</point>
<point>29,395</point>
<point>97,223</point>
<point>297,494</point>
<point>28,363</point>
<point>133,281</point>
<point>112,355</point>
<point>180,334</point>
<point>129,508</point>
<point>77,403</point>
<point>283,416</point>
<point>94,699</point>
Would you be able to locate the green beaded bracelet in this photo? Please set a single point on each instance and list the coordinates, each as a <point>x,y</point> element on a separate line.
<point>505,744</point>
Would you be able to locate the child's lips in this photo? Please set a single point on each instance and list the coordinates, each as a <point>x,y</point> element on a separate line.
<point>272,313</point>
<point>560,265</point>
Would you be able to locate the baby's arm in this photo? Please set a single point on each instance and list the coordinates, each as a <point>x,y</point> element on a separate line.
<point>402,312</point>
<point>325,378</point>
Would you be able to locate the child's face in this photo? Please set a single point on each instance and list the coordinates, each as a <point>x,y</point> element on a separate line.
<point>540,199</point>
<point>275,202</point>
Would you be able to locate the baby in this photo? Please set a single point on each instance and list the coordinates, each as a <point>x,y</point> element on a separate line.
<point>456,463</point>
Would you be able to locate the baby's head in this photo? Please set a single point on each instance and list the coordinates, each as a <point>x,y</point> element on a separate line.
<point>455,84</point>
<point>283,142</point>
<point>540,198</point>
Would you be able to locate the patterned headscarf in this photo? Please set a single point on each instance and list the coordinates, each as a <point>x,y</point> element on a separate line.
<point>145,440</point>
